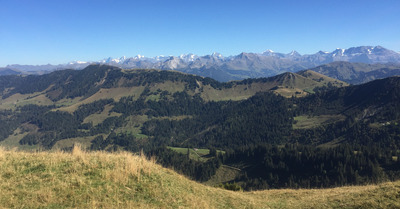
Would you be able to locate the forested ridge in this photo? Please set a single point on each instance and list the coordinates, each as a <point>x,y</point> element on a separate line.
<point>354,136</point>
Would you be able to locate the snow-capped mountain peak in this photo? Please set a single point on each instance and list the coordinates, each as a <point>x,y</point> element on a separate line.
<point>294,54</point>
<point>77,62</point>
<point>268,52</point>
<point>110,60</point>
<point>160,58</point>
<point>338,52</point>
<point>120,60</point>
<point>217,55</point>
<point>138,57</point>
<point>188,57</point>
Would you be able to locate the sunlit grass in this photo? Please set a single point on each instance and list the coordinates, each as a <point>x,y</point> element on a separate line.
<point>81,179</point>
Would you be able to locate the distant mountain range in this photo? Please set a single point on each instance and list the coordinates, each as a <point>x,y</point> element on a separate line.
<point>244,65</point>
<point>357,73</point>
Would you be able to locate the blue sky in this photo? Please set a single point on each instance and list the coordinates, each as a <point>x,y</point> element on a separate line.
<point>59,31</point>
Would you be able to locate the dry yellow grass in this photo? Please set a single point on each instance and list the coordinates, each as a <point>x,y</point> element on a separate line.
<point>122,180</point>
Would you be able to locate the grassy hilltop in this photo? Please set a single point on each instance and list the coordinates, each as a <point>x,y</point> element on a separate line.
<point>123,180</point>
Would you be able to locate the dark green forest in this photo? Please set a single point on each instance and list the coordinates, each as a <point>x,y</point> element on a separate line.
<point>304,166</point>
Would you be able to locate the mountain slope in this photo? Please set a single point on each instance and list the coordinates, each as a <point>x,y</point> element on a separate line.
<point>297,84</point>
<point>378,93</point>
<point>93,83</point>
<point>69,105</point>
<point>366,114</point>
<point>356,73</point>
<point>321,78</point>
<point>94,180</point>
<point>9,71</point>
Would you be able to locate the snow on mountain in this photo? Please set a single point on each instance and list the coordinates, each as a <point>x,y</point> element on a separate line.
<point>138,57</point>
<point>217,55</point>
<point>77,62</point>
<point>268,52</point>
<point>161,58</point>
<point>294,54</point>
<point>338,52</point>
<point>188,57</point>
<point>271,53</point>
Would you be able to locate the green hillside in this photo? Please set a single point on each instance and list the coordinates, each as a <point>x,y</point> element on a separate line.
<point>343,136</point>
<point>93,97</point>
<point>123,180</point>
<point>67,89</point>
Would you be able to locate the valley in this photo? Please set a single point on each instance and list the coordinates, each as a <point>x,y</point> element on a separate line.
<point>241,129</point>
